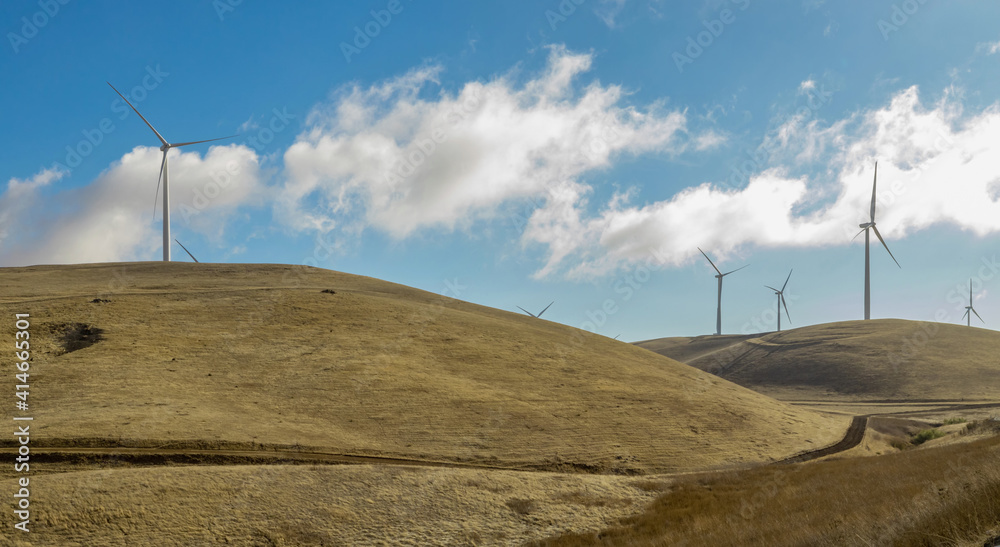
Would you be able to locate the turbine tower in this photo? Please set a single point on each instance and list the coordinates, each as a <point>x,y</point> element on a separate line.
<point>969,308</point>
<point>539,316</point>
<point>164,171</point>
<point>870,225</point>
<point>718,311</point>
<point>781,299</point>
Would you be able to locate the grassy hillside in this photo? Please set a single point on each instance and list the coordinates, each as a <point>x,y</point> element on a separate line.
<point>334,506</point>
<point>942,496</point>
<point>242,355</point>
<point>884,359</point>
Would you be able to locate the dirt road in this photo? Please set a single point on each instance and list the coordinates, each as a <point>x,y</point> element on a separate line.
<point>855,433</point>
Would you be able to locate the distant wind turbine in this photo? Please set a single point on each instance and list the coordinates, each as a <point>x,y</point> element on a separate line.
<point>718,311</point>
<point>539,316</point>
<point>164,172</point>
<point>186,250</point>
<point>969,308</point>
<point>870,225</point>
<point>781,300</point>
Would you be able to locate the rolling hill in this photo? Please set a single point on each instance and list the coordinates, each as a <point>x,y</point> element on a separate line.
<point>878,360</point>
<point>239,356</point>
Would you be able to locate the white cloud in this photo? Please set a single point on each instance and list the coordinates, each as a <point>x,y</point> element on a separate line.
<point>991,48</point>
<point>708,140</point>
<point>110,219</point>
<point>935,168</point>
<point>608,11</point>
<point>389,158</point>
<point>20,200</point>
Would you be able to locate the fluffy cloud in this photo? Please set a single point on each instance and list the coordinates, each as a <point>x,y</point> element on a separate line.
<point>110,219</point>
<point>935,167</point>
<point>389,158</point>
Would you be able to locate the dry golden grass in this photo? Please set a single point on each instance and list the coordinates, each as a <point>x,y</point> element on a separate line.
<point>251,354</point>
<point>310,505</point>
<point>884,359</point>
<point>942,496</point>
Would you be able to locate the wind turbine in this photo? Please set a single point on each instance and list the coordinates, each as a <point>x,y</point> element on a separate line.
<point>969,308</point>
<point>189,252</point>
<point>870,225</point>
<point>539,316</point>
<point>164,171</point>
<point>781,299</point>
<point>718,312</point>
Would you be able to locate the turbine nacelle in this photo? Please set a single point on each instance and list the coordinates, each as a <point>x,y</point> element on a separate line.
<point>866,225</point>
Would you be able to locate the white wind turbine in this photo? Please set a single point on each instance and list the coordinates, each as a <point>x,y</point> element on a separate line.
<point>870,225</point>
<point>781,300</point>
<point>164,172</point>
<point>718,310</point>
<point>969,308</point>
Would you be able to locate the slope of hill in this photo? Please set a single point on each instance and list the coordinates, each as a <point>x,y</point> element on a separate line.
<point>180,354</point>
<point>878,360</point>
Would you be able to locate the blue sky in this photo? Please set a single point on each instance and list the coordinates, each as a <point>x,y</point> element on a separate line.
<point>524,152</point>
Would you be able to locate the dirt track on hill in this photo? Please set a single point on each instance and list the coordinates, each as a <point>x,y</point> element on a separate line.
<point>193,456</point>
<point>853,437</point>
<point>162,456</point>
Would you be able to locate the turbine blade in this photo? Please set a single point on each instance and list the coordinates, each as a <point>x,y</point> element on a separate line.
<point>886,246</point>
<point>970,291</point>
<point>874,183</point>
<point>736,270</point>
<point>966,314</point>
<point>772,288</point>
<point>785,304</point>
<point>977,314</point>
<point>199,142</point>
<point>709,261</point>
<point>546,307</point>
<point>186,250</point>
<point>156,195</point>
<point>786,281</point>
<point>859,233</point>
<point>162,140</point>
<point>525,311</point>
